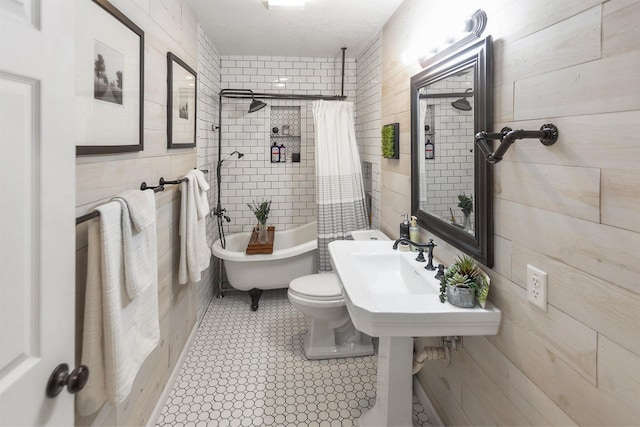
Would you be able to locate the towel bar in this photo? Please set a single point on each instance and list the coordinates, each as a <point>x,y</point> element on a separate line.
<point>143,186</point>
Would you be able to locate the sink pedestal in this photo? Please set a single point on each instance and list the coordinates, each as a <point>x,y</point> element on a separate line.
<point>394,395</point>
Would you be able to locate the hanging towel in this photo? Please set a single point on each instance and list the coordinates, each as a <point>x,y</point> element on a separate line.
<point>202,204</point>
<point>119,333</point>
<point>139,239</point>
<point>195,253</point>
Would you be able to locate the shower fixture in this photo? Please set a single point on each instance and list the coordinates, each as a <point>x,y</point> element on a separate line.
<point>219,211</point>
<point>240,155</point>
<point>256,105</point>
<point>462,103</point>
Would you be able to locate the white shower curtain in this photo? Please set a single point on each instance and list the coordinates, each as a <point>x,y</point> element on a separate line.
<point>339,186</point>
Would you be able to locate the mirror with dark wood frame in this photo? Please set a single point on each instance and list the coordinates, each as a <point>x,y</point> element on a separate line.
<point>451,183</point>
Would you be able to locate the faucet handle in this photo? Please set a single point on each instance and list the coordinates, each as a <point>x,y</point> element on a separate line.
<point>420,257</point>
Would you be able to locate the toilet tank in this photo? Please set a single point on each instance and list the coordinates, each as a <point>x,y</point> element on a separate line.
<point>373,234</point>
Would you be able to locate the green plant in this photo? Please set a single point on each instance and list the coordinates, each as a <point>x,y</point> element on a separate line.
<point>466,273</point>
<point>465,204</point>
<point>388,142</point>
<point>261,210</point>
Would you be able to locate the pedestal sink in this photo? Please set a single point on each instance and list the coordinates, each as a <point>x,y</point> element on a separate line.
<point>391,296</point>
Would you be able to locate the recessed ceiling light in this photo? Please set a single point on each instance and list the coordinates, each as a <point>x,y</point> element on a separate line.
<point>286,4</point>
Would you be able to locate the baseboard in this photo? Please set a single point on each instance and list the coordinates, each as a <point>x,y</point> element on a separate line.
<point>426,403</point>
<point>153,419</point>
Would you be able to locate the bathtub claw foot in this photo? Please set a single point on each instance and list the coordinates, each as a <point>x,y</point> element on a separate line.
<point>255,295</point>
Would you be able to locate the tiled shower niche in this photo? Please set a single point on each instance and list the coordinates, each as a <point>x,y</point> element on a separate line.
<point>281,118</point>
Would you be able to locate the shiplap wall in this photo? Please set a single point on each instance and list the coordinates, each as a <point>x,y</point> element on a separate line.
<point>169,26</point>
<point>571,210</point>
<point>367,122</point>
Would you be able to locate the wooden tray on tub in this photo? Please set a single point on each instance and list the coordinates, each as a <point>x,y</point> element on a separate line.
<point>254,247</point>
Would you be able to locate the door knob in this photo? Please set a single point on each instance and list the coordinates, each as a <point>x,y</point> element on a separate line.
<point>61,377</point>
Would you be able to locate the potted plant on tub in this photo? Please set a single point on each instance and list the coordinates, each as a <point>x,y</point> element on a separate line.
<point>464,282</point>
<point>261,211</point>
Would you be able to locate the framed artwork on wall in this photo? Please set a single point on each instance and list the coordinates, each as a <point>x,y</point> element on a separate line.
<point>181,103</point>
<point>109,80</point>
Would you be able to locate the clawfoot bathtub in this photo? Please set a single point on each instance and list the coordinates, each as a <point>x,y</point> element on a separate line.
<point>294,255</point>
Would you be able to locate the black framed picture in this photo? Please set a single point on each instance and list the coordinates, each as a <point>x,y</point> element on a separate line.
<point>109,80</point>
<point>181,103</point>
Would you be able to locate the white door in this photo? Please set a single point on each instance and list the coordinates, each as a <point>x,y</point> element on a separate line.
<point>37,204</point>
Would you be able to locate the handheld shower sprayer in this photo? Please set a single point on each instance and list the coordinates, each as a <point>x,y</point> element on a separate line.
<point>219,211</point>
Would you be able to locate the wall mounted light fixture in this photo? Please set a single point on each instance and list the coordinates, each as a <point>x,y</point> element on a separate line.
<point>548,135</point>
<point>286,4</point>
<point>473,28</point>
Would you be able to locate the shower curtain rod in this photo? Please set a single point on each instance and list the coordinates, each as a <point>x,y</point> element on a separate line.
<point>247,94</point>
<point>445,95</point>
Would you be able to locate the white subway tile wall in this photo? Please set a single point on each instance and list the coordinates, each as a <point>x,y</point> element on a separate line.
<point>368,117</point>
<point>450,172</point>
<point>206,136</point>
<point>290,186</point>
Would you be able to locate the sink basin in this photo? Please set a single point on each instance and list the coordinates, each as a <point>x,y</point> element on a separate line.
<point>390,274</point>
<point>388,293</point>
<point>391,296</point>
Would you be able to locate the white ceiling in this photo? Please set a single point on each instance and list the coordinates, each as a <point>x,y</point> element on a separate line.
<point>247,27</point>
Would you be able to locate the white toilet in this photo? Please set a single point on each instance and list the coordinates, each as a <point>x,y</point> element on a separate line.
<point>319,297</point>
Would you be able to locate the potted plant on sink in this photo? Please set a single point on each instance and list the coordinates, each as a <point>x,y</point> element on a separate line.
<point>464,282</point>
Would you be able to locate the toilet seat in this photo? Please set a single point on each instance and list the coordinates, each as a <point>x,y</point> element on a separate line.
<point>317,287</point>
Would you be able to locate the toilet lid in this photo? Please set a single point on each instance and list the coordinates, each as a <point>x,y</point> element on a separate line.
<point>317,286</point>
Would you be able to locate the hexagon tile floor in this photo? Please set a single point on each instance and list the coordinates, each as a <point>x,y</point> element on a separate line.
<point>248,368</point>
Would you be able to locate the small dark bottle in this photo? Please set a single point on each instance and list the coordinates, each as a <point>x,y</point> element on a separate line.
<point>275,153</point>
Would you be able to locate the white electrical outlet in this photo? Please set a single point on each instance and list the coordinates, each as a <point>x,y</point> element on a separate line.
<point>537,287</point>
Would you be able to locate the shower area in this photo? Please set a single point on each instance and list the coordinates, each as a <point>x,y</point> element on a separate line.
<point>289,184</point>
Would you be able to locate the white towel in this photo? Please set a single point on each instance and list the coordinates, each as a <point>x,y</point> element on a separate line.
<point>195,253</point>
<point>140,240</point>
<point>119,333</point>
<point>202,203</point>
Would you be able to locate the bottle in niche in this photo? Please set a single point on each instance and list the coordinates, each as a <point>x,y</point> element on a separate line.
<point>429,153</point>
<point>428,149</point>
<point>282,153</point>
<point>275,153</point>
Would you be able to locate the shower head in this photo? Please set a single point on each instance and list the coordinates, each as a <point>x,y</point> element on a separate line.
<point>256,105</point>
<point>240,155</point>
<point>462,103</point>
